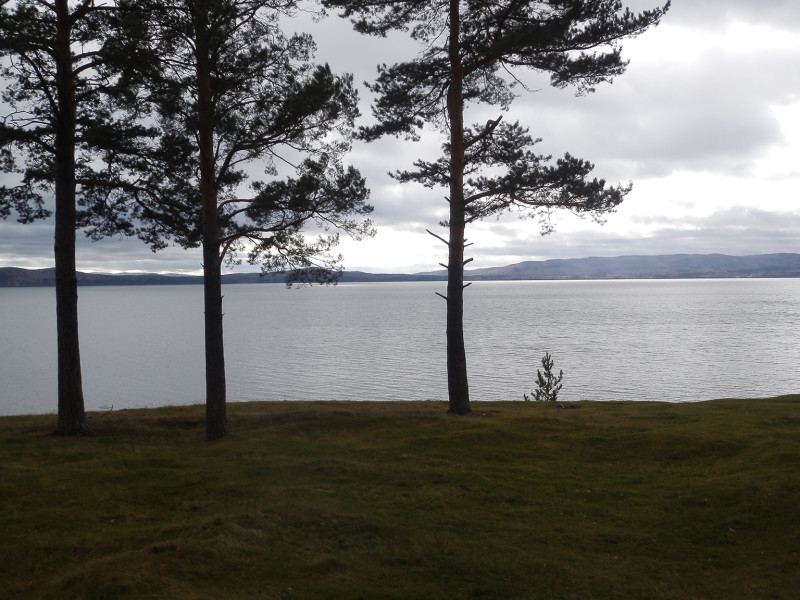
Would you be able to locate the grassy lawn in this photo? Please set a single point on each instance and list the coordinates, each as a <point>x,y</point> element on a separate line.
<point>375,500</point>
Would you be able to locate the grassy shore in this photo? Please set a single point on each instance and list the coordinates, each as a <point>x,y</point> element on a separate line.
<point>372,500</point>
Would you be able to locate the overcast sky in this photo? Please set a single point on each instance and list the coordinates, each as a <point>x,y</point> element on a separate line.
<point>705,123</point>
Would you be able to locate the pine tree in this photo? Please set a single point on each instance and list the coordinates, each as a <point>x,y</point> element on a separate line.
<point>491,168</point>
<point>66,108</point>
<point>233,93</point>
<point>547,384</point>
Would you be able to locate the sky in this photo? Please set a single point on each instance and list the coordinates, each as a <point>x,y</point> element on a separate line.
<point>705,122</point>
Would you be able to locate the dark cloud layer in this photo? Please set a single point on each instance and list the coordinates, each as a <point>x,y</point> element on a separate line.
<point>734,231</point>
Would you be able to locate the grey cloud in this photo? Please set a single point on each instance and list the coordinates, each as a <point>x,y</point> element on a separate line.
<point>737,231</point>
<point>708,13</point>
<point>26,245</point>
<point>712,116</point>
<point>402,205</point>
<point>31,246</point>
<point>735,218</point>
<point>130,254</point>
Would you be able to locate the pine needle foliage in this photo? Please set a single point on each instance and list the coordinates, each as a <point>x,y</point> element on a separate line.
<point>547,384</point>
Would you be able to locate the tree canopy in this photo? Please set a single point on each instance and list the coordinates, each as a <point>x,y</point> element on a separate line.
<point>267,108</point>
<point>232,94</point>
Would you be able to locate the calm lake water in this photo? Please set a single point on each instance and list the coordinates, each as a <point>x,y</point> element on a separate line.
<point>672,340</point>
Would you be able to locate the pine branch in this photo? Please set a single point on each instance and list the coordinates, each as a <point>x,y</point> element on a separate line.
<point>440,238</point>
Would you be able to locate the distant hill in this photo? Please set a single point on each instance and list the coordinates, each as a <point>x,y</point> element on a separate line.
<point>16,277</point>
<point>676,266</point>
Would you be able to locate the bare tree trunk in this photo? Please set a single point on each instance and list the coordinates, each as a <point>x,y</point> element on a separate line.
<point>216,420</point>
<point>71,411</point>
<point>457,383</point>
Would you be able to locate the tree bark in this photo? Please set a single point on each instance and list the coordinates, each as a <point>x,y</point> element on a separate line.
<point>216,420</point>
<point>71,411</point>
<point>216,411</point>
<point>457,382</point>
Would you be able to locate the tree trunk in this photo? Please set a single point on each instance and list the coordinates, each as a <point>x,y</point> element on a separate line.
<point>457,383</point>
<point>216,421</point>
<point>71,412</point>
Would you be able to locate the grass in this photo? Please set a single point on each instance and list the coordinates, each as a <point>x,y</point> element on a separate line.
<point>370,500</point>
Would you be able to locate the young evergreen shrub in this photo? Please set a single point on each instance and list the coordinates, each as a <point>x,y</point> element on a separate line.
<point>547,384</point>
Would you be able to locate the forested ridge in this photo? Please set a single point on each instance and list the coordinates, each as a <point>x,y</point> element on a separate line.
<point>673,266</point>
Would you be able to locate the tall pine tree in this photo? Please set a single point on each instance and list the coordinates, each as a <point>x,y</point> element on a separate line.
<point>66,108</point>
<point>470,47</point>
<point>234,96</point>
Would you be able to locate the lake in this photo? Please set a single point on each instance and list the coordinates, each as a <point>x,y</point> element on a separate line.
<point>670,340</point>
